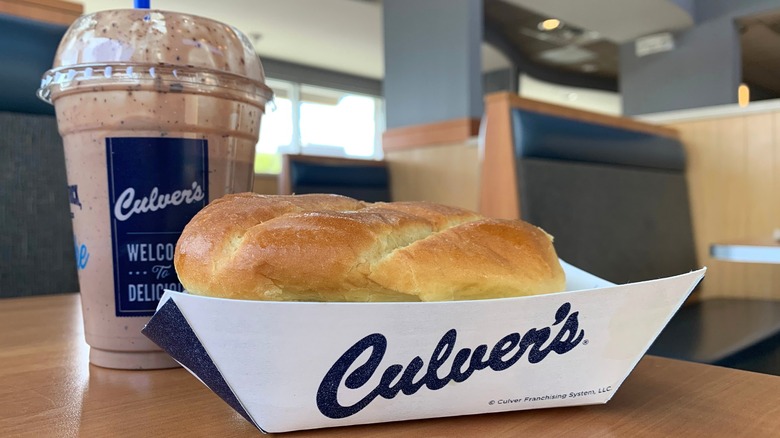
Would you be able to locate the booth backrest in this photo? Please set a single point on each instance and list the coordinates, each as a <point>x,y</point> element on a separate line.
<point>613,194</point>
<point>26,52</point>
<point>558,137</point>
<point>36,245</point>
<point>367,180</point>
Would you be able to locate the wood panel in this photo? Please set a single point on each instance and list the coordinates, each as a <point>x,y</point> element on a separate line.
<point>703,160</point>
<point>50,11</point>
<point>498,196</point>
<point>429,134</point>
<point>775,282</point>
<point>758,193</point>
<point>732,166</point>
<point>266,184</point>
<point>447,174</point>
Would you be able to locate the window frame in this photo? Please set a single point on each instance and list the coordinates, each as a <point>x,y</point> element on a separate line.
<point>293,91</point>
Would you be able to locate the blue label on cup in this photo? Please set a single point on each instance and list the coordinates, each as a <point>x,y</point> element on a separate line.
<point>155,186</point>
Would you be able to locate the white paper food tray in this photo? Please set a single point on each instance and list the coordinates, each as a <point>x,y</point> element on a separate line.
<point>295,365</point>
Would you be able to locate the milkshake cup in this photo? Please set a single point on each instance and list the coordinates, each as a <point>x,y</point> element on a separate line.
<point>159,113</point>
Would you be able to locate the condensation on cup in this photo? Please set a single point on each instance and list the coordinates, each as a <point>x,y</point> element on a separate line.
<point>159,113</point>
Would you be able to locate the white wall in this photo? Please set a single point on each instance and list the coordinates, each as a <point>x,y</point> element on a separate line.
<point>591,100</point>
<point>493,59</point>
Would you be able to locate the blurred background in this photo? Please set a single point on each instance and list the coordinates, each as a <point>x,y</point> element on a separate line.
<point>579,54</point>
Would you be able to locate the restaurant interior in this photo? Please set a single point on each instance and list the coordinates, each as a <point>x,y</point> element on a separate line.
<point>644,136</point>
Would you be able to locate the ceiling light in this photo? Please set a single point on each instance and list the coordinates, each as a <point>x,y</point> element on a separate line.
<point>550,24</point>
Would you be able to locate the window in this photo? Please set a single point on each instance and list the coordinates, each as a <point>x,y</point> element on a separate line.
<point>318,121</point>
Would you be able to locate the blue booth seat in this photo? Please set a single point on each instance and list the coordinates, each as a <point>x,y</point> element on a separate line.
<point>36,246</point>
<point>26,52</point>
<point>366,180</point>
<point>616,200</point>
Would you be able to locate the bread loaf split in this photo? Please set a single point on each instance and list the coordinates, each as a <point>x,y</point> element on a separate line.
<point>334,248</point>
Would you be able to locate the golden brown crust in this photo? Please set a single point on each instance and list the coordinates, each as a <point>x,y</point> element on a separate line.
<point>334,248</point>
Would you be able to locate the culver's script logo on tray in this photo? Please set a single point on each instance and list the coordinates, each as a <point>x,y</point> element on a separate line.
<point>155,185</point>
<point>397,378</point>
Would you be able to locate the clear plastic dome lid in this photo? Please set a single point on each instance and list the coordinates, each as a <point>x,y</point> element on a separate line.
<point>188,46</point>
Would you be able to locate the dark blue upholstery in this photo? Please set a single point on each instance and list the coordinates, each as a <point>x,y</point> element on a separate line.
<point>622,223</point>
<point>616,200</point>
<point>36,246</point>
<point>363,180</point>
<point>540,135</point>
<point>26,51</point>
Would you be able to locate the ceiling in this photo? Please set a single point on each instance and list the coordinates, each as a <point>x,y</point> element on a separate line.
<point>567,47</point>
<point>618,21</point>
<point>346,35</point>
<point>343,35</point>
<point>612,23</point>
<point>340,35</point>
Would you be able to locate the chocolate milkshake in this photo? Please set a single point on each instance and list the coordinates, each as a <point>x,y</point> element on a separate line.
<point>159,113</point>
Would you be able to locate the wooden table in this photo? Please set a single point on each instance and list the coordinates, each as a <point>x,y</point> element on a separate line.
<point>757,250</point>
<point>47,388</point>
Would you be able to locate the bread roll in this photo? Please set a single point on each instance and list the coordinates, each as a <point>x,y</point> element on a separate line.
<point>334,248</point>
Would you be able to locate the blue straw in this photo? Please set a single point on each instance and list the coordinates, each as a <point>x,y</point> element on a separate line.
<point>141,4</point>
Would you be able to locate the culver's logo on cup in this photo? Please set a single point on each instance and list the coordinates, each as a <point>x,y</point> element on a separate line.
<point>128,205</point>
<point>156,185</point>
<point>397,379</point>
